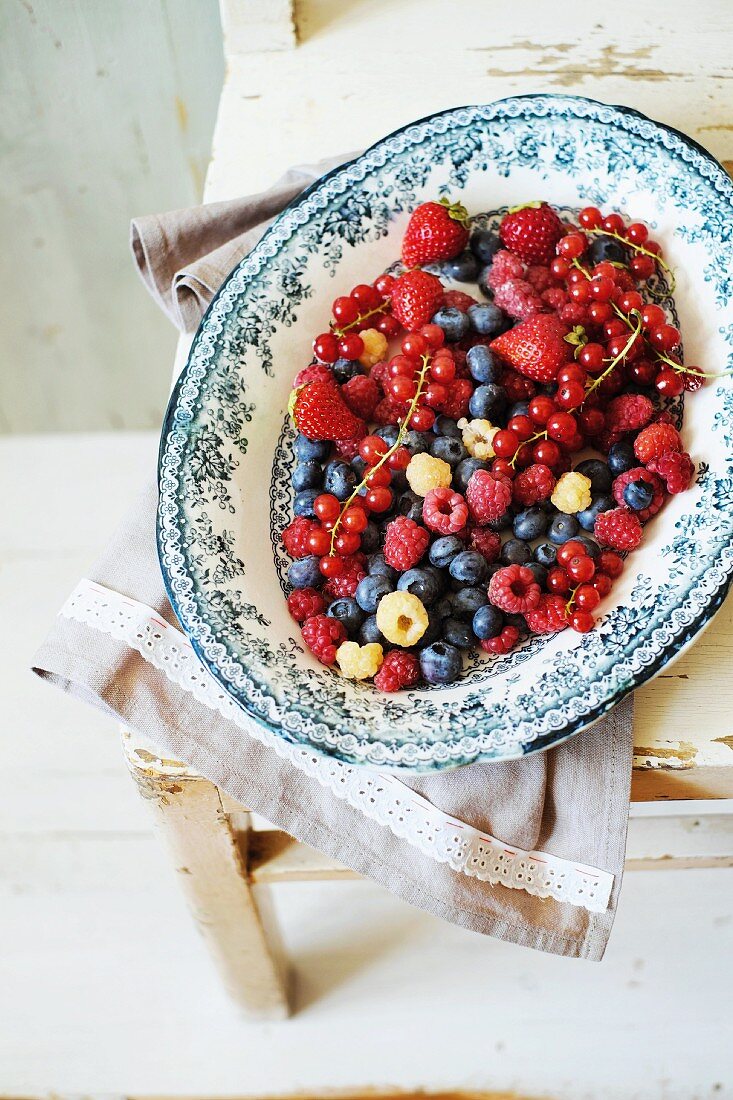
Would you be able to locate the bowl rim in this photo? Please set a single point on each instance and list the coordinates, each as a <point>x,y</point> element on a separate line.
<point>672,649</point>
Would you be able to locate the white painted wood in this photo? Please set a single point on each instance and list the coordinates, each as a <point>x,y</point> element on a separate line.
<point>250,26</point>
<point>106,112</point>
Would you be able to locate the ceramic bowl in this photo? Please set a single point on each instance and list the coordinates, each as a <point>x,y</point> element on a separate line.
<point>226,455</point>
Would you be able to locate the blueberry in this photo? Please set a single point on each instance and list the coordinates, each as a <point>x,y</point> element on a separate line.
<point>344,369</point>
<point>305,573</point>
<point>545,554</point>
<point>418,442</point>
<point>458,634</point>
<point>433,630</point>
<point>377,567</point>
<point>466,603</point>
<point>441,580</point>
<point>311,449</point>
<point>486,319</point>
<point>621,458</point>
<point>348,612</point>
<point>516,552</point>
<point>606,249</point>
<point>530,524</point>
<point>389,433</point>
<point>450,449</point>
<point>370,590</point>
<point>307,475</point>
<point>339,479</point>
<point>562,528</point>
<point>454,324</point>
<point>358,465</point>
<point>303,503</point>
<point>638,495</point>
<point>444,608</point>
<point>503,523</point>
<point>444,549</point>
<point>399,482</point>
<point>519,621</point>
<point>468,567</point>
<point>484,244</point>
<point>519,408</point>
<point>598,473</point>
<point>420,583</point>
<point>587,518</point>
<point>494,568</point>
<point>370,632</point>
<point>483,282</point>
<point>487,402</point>
<point>488,622</point>
<point>410,505</point>
<point>483,364</point>
<point>592,547</point>
<point>440,663</point>
<point>463,268</point>
<point>445,425</point>
<point>371,538</point>
<point>539,572</point>
<point>465,470</point>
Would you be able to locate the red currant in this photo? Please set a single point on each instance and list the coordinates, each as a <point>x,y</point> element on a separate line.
<point>572,246</point>
<point>601,288</point>
<point>669,383</point>
<point>600,312</point>
<point>331,566</point>
<point>582,621</point>
<point>587,597</point>
<point>641,266</point>
<point>378,499</point>
<point>399,459</point>
<point>602,584</point>
<point>561,426</point>
<point>443,369</point>
<point>569,550</point>
<point>377,475</point>
<point>579,292</point>
<point>388,326</point>
<point>345,310</point>
<point>572,372</point>
<point>610,563</point>
<point>590,217</point>
<point>558,581</point>
<point>637,233</point>
<point>422,420</point>
<point>613,223</point>
<point>327,507</point>
<point>615,327</point>
<point>435,395</point>
<point>402,389</point>
<point>372,448</point>
<point>434,336</point>
<point>629,300</point>
<point>547,452</point>
<point>347,542</point>
<point>592,358</point>
<point>653,246</point>
<point>383,285</point>
<point>581,568</point>
<point>325,347</point>
<point>541,408</point>
<point>653,316</point>
<point>664,338</point>
<point>414,345</point>
<point>559,268</point>
<point>351,346</point>
<point>368,297</point>
<point>643,372</point>
<point>591,421</point>
<point>522,427</point>
<point>570,395</point>
<point>500,467</point>
<point>505,444</point>
<point>319,541</point>
<point>354,519</point>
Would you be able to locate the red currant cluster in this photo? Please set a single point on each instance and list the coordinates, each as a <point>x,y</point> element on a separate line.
<point>365,307</point>
<point>582,582</point>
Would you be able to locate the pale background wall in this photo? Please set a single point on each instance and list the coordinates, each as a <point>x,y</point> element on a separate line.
<point>106,111</point>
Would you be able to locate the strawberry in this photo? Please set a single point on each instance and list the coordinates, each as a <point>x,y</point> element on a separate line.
<point>416,296</point>
<point>535,348</point>
<point>320,411</point>
<point>436,231</point>
<point>531,232</point>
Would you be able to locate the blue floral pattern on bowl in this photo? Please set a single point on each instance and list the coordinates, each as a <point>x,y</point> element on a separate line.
<point>225,450</point>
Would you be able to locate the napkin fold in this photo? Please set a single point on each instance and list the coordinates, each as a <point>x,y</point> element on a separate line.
<point>559,813</point>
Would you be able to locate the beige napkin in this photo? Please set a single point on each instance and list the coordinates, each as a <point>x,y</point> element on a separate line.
<point>570,802</point>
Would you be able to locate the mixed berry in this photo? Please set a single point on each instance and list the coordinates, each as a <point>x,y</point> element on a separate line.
<point>470,472</point>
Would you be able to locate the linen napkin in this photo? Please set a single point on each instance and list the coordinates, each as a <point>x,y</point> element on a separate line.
<point>494,845</point>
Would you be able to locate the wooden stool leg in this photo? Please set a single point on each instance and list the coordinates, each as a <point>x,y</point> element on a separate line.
<point>210,859</point>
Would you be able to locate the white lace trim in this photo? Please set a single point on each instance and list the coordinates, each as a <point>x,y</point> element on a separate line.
<point>380,796</point>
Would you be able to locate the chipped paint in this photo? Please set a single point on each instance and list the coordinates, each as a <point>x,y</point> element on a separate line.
<point>683,753</point>
<point>151,758</point>
<point>724,741</point>
<point>181,113</point>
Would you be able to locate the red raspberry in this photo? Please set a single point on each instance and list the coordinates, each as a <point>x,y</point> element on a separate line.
<point>676,468</point>
<point>628,412</point>
<point>514,589</point>
<point>348,448</point>
<point>519,299</point>
<point>295,536</point>
<point>503,642</point>
<point>303,603</point>
<point>323,635</point>
<point>504,266</point>
<point>405,542</point>
<point>459,357</point>
<point>620,529</point>
<point>380,374</point>
<point>555,297</point>
<point>346,583</point>
<point>486,542</point>
<point>533,485</point>
<point>400,669</point>
<point>517,387</point>
<point>606,440</point>
<point>459,395</point>
<point>639,473</point>
<point>548,616</point>
<point>314,372</point>
<point>444,511</point>
<point>539,277</point>
<point>656,440</point>
<point>487,497</point>
<point>456,299</point>
<point>361,394</point>
<point>390,411</point>
<point>572,313</point>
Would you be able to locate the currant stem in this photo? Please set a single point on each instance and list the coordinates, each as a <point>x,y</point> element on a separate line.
<point>362,317</point>
<point>643,251</point>
<point>617,359</point>
<point>401,433</point>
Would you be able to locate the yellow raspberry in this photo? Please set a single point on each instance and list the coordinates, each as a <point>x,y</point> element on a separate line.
<point>572,493</point>
<point>402,618</point>
<point>359,662</point>
<point>375,347</point>
<point>478,437</point>
<point>425,473</point>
